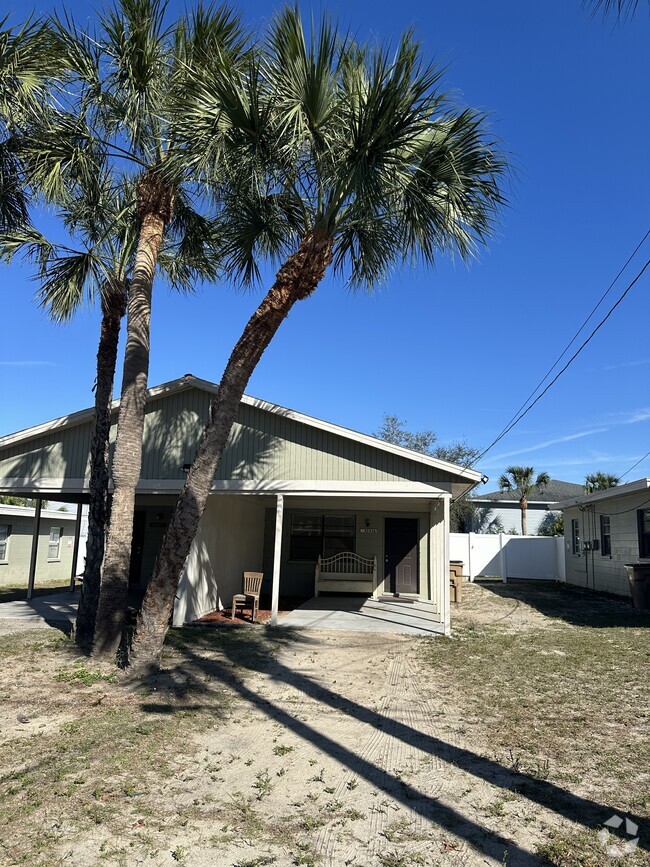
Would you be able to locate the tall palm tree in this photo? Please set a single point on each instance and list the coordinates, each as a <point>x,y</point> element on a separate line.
<point>117,114</point>
<point>29,65</point>
<point>600,482</point>
<point>369,167</point>
<point>522,481</point>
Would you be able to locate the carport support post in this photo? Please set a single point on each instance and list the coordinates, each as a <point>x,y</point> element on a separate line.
<point>36,533</point>
<point>277,557</point>
<point>75,550</point>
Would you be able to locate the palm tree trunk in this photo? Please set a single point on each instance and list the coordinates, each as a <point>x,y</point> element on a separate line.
<point>127,460</point>
<point>113,309</point>
<point>297,279</point>
<point>524,506</point>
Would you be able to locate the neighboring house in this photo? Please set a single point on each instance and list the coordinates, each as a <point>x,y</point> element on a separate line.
<point>289,488</point>
<point>604,531</point>
<point>55,549</point>
<point>505,506</point>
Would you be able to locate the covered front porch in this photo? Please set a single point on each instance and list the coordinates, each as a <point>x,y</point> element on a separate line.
<point>393,546</point>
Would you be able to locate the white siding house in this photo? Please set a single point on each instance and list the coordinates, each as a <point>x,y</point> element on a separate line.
<point>603,532</point>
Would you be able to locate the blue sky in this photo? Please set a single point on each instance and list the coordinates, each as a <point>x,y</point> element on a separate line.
<point>456,350</point>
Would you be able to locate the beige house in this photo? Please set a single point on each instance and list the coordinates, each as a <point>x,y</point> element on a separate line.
<point>54,553</point>
<point>317,507</point>
<point>603,532</point>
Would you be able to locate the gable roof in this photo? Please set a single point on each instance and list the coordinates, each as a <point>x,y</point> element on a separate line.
<point>555,492</point>
<point>635,487</point>
<point>190,381</point>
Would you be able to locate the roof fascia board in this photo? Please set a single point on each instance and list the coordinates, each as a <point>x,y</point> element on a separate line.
<point>187,382</point>
<point>635,487</point>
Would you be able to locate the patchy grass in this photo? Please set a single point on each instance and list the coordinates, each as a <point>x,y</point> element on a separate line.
<point>564,702</point>
<point>84,757</point>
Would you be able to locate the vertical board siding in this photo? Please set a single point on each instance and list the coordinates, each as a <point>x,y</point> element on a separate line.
<point>262,446</point>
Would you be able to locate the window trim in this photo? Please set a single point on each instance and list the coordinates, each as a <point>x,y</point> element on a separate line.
<point>57,557</point>
<point>575,537</point>
<point>5,559</point>
<point>322,536</point>
<point>605,548</point>
<point>644,537</point>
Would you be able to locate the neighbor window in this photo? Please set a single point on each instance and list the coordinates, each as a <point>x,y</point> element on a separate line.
<point>54,544</point>
<point>605,536</point>
<point>312,535</point>
<point>5,532</point>
<point>643,518</point>
<point>575,536</point>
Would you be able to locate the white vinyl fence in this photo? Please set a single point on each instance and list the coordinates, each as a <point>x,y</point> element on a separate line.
<point>501,556</point>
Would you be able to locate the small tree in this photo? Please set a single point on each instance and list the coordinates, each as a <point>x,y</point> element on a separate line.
<point>520,480</point>
<point>552,525</point>
<point>600,482</point>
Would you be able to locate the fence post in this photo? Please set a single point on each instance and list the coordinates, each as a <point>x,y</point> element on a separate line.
<point>560,562</point>
<point>502,560</point>
<point>470,565</point>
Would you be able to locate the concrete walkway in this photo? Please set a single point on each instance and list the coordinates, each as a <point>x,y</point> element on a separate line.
<point>354,614</point>
<point>57,608</point>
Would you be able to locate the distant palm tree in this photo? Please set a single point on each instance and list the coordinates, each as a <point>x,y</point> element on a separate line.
<point>367,166</point>
<point>600,482</point>
<point>522,481</point>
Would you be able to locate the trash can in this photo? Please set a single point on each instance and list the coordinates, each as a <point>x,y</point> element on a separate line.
<point>639,577</point>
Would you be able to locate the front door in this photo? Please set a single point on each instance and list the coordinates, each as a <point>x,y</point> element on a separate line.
<point>401,555</point>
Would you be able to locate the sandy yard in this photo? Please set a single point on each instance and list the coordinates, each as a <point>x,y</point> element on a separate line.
<point>257,747</point>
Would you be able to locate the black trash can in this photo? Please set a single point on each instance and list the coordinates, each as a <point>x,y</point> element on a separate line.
<point>639,577</point>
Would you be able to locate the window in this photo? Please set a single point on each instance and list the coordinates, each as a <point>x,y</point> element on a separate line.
<point>312,535</point>
<point>5,532</point>
<point>605,536</point>
<point>54,543</point>
<point>575,536</point>
<point>643,518</point>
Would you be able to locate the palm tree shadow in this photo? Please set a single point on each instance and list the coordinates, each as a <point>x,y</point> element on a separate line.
<point>188,677</point>
<point>574,605</point>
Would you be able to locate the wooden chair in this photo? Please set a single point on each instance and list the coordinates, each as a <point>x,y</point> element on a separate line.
<point>250,596</point>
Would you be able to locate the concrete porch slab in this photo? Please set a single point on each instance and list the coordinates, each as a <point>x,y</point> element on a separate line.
<point>54,608</point>
<point>355,614</point>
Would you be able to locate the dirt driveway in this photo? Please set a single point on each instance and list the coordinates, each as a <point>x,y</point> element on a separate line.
<point>324,749</point>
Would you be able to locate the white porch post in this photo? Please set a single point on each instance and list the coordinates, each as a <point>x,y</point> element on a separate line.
<point>431,572</point>
<point>277,557</point>
<point>35,535</point>
<point>75,550</point>
<point>445,602</point>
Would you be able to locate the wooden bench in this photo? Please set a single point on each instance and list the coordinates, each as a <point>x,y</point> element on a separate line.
<point>345,572</point>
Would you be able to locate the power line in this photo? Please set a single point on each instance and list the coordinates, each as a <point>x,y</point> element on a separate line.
<point>575,336</point>
<point>518,417</point>
<point>647,454</point>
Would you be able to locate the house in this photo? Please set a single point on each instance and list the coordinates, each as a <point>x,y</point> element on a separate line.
<point>543,505</point>
<point>56,552</point>
<point>290,489</point>
<point>605,530</point>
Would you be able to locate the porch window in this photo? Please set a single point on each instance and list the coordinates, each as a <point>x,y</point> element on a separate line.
<point>5,532</point>
<point>605,536</point>
<point>327,535</point>
<point>643,518</point>
<point>575,537</point>
<point>54,544</point>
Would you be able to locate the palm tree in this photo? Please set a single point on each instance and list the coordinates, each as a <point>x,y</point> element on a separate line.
<point>118,115</point>
<point>28,66</point>
<point>622,8</point>
<point>369,167</point>
<point>600,482</point>
<point>95,217</point>
<point>520,480</point>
